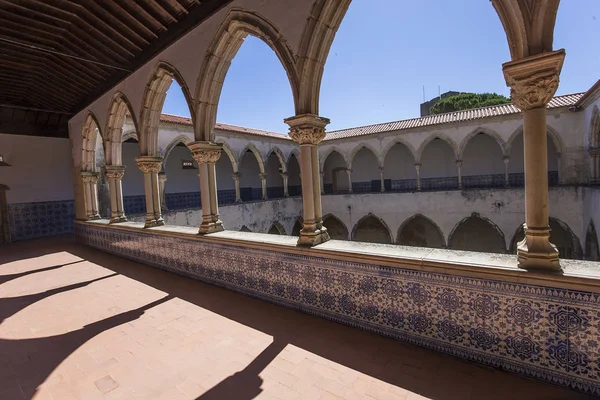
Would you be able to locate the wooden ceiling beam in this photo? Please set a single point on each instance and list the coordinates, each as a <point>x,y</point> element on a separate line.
<point>117,9</point>
<point>139,9</point>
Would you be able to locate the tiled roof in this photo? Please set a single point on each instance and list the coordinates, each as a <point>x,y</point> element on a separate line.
<point>176,119</point>
<point>459,116</point>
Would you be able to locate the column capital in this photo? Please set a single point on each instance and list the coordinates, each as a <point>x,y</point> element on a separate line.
<point>149,164</point>
<point>205,152</point>
<point>459,163</point>
<point>381,169</point>
<point>262,175</point>
<point>89,177</point>
<point>162,177</point>
<point>283,174</point>
<point>418,166</point>
<point>114,171</point>
<point>594,151</point>
<point>307,128</point>
<point>506,159</point>
<point>533,80</point>
<point>236,176</point>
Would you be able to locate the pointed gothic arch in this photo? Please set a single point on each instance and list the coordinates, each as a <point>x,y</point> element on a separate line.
<point>229,37</point>
<point>421,231</point>
<point>430,139</point>
<point>358,148</point>
<point>372,229</point>
<point>227,150</point>
<point>395,142</point>
<point>119,108</point>
<point>181,139</point>
<point>335,227</point>
<point>276,229</point>
<point>259,159</point>
<point>477,233</point>
<point>92,148</point>
<point>282,161</point>
<point>561,235</point>
<point>486,131</point>
<point>592,252</point>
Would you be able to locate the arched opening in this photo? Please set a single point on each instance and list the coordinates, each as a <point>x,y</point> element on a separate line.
<point>294,183</point>
<point>335,177</point>
<point>92,160</point>
<point>244,228</point>
<point>420,231</point>
<point>226,168</point>
<point>482,163</point>
<point>336,228</point>
<point>591,243</point>
<point>182,185</point>
<point>297,228</point>
<point>438,166</point>
<point>594,145</point>
<point>371,229</point>
<point>365,172</point>
<point>399,170</point>
<point>516,162</point>
<point>276,229</point>
<point>561,236</point>
<point>274,167</point>
<point>250,182</point>
<point>477,234</point>
<point>134,197</point>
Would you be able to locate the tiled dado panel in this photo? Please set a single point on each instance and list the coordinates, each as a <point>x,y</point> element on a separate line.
<point>34,220</point>
<point>542,332</point>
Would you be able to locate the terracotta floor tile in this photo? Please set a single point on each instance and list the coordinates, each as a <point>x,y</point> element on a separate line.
<point>82,324</point>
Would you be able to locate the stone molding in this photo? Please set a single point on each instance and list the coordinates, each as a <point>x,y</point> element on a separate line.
<point>89,177</point>
<point>114,171</point>
<point>534,80</point>
<point>307,128</point>
<point>205,152</point>
<point>149,164</point>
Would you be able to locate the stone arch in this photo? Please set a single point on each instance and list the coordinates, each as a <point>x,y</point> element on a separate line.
<point>430,139</point>
<point>592,252</point>
<point>251,167</point>
<point>113,133</point>
<point>227,150</point>
<point>366,175</point>
<point>515,151</point>
<point>257,155</point>
<point>393,143</point>
<point>274,167</point>
<point>231,34</point>
<point>334,167</point>
<point>282,161</point>
<point>169,148</point>
<point>335,227</point>
<point>92,149</point>
<point>371,229</point>
<point>493,134</point>
<point>594,139</point>
<point>552,134</point>
<point>421,231</point>
<point>160,80</point>
<point>399,172</point>
<point>244,228</point>
<point>276,229</point>
<point>297,228</point>
<point>477,233</point>
<point>358,148</point>
<point>319,32</point>
<point>529,25</point>
<point>293,170</point>
<point>482,155</point>
<point>561,235</point>
<point>130,134</point>
<point>329,151</point>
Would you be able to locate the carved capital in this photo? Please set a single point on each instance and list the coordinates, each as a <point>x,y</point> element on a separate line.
<point>534,80</point>
<point>205,152</point>
<point>162,178</point>
<point>283,174</point>
<point>307,128</point>
<point>114,171</point>
<point>459,163</point>
<point>262,176</point>
<point>89,177</point>
<point>418,166</point>
<point>236,176</point>
<point>149,164</point>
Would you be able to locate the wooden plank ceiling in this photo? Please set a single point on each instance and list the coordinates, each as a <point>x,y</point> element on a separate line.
<point>56,56</point>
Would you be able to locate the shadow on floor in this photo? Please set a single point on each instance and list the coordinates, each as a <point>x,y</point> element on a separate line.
<point>421,371</point>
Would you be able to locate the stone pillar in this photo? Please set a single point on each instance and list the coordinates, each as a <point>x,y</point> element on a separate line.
<point>151,166</point>
<point>308,130</point>
<point>90,194</point>
<point>459,167</point>
<point>382,180</point>
<point>284,177</point>
<point>206,155</point>
<point>506,160</point>
<point>162,178</point>
<point>322,182</point>
<point>533,81</point>
<point>263,185</point>
<point>114,174</point>
<point>349,172</point>
<point>236,180</point>
<point>418,168</point>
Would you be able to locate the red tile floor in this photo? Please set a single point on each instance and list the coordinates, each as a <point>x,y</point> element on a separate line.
<point>76,323</point>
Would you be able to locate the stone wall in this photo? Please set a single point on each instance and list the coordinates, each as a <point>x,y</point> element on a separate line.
<point>541,329</point>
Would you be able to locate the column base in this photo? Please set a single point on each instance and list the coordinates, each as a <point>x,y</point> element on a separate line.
<point>312,237</point>
<point>154,222</point>
<point>535,252</point>
<point>93,217</point>
<point>116,220</point>
<point>211,225</point>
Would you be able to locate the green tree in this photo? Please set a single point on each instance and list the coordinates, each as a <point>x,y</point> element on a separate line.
<point>467,101</point>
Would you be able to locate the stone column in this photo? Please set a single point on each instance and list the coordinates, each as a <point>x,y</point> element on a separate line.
<point>263,185</point>
<point>284,177</point>
<point>114,174</point>
<point>459,167</point>
<point>236,180</point>
<point>308,130</point>
<point>151,166</point>
<point>418,168</point>
<point>349,173</point>
<point>506,160</point>
<point>322,182</point>
<point>206,155</point>
<point>533,81</point>
<point>90,194</point>
<point>381,179</point>
<point>162,178</point>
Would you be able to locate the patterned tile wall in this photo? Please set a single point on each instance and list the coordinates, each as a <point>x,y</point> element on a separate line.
<point>546,333</point>
<point>134,204</point>
<point>34,220</point>
<point>179,201</point>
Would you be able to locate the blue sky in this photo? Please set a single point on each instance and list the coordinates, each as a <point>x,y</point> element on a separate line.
<point>383,56</point>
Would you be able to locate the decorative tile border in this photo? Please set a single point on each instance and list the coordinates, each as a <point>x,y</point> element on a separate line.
<point>40,219</point>
<point>546,333</point>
